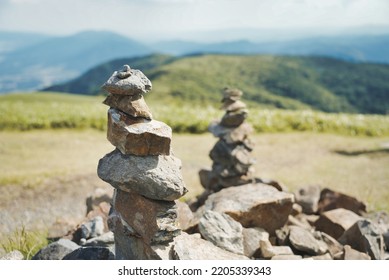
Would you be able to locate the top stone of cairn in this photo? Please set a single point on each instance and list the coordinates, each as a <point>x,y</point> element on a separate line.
<point>127,82</point>
<point>231,94</point>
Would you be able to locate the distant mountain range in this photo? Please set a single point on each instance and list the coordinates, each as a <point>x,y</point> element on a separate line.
<point>33,61</point>
<point>288,82</point>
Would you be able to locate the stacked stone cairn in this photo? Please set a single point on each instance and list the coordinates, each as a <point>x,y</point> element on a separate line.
<point>146,176</point>
<point>231,155</point>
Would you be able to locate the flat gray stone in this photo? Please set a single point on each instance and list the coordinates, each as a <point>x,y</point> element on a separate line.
<point>127,82</point>
<point>191,247</point>
<point>155,177</point>
<point>222,231</point>
<point>303,240</point>
<point>138,137</point>
<point>56,250</point>
<point>253,205</point>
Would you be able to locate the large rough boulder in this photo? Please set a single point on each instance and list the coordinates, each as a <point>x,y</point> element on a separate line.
<point>364,237</point>
<point>192,247</point>
<point>56,250</point>
<point>253,205</point>
<point>155,177</point>
<point>336,222</point>
<point>222,231</point>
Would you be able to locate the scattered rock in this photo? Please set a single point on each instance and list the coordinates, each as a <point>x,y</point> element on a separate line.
<point>155,177</point>
<point>14,255</point>
<point>104,240</point>
<point>308,198</point>
<point>222,231</point>
<point>90,253</point>
<point>286,257</point>
<point>336,222</point>
<point>351,254</point>
<point>190,247</point>
<point>251,238</point>
<point>268,251</point>
<point>304,241</point>
<point>330,200</point>
<point>334,247</point>
<point>185,215</point>
<point>364,237</point>
<point>56,250</point>
<point>253,205</point>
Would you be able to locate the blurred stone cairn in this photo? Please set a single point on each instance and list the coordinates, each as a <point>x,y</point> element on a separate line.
<point>146,176</point>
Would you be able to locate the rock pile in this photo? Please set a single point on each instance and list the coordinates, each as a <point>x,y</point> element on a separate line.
<point>232,161</point>
<point>143,171</point>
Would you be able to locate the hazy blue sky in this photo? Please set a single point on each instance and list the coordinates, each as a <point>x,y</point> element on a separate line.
<point>147,19</point>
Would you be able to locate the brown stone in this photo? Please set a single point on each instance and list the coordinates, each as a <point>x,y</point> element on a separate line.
<point>351,254</point>
<point>185,215</point>
<point>138,137</point>
<point>336,222</point>
<point>154,221</point>
<point>208,179</point>
<point>330,200</point>
<point>253,205</point>
<point>132,105</point>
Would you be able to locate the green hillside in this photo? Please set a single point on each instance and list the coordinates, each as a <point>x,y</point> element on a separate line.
<point>316,83</point>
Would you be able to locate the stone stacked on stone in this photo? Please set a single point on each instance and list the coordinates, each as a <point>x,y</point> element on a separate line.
<point>232,161</point>
<point>146,176</point>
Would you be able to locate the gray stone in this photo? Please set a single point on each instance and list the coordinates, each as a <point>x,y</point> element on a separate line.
<point>234,119</point>
<point>92,228</point>
<point>363,236</point>
<point>334,247</point>
<point>190,247</point>
<point>253,205</point>
<point>132,105</point>
<point>155,177</point>
<point>14,255</point>
<point>90,253</point>
<point>299,221</point>
<point>104,240</point>
<point>127,82</point>
<point>330,200</point>
<point>336,222</point>
<point>308,198</point>
<point>304,241</point>
<point>56,250</point>
<point>231,94</point>
<point>351,254</point>
<point>251,238</point>
<point>153,220</point>
<point>148,137</point>
<point>268,251</point>
<point>222,231</point>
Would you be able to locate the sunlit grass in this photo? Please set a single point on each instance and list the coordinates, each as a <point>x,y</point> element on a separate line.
<point>57,111</point>
<point>27,242</point>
